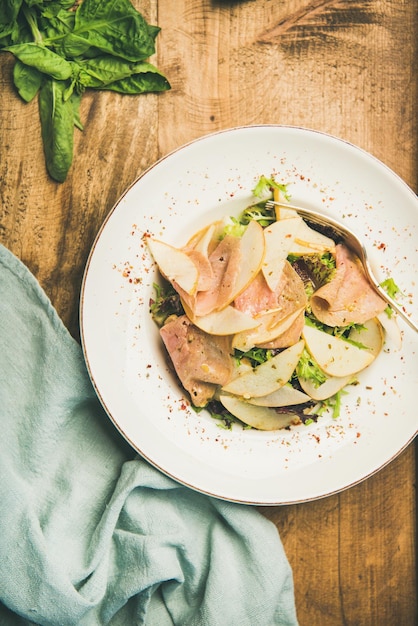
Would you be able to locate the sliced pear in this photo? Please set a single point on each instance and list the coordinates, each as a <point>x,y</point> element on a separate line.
<point>174,264</point>
<point>370,336</point>
<point>240,367</point>
<point>279,238</point>
<point>271,325</point>
<point>260,417</point>
<point>252,246</point>
<point>282,213</point>
<point>392,332</point>
<point>329,388</point>
<point>227,321</point>
<point>335,356</point>
<point>267,377</point>
<point>310,241</point>
<point>206,239</point>
<point>285,396</point>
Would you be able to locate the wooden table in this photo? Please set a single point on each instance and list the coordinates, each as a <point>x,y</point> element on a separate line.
<point>347,68</point>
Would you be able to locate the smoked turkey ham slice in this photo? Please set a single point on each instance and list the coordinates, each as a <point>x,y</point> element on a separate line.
<point>348,298</point>
<point>288,297</point>
<point>202,361</point>
<point>224,264</point>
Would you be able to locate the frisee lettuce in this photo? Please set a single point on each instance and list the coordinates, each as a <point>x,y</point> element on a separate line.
<point>265,186</point>
<point>309,369</point>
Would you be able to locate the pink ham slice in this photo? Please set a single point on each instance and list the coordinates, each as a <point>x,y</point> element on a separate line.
<point>225,262</point>
<point>202,361</point>
<point>258,297</point>
<point>215,288</point>
<point>348,298</point>
<point>289,296</point>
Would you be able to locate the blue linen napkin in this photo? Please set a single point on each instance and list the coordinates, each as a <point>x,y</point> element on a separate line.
<point>91,534</point>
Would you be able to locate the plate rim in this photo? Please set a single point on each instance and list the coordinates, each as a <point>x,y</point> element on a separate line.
<point>92,251</point>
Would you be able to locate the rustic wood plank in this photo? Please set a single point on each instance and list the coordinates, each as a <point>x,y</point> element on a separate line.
<point>347,68</point>
<point>353,554</point>
<point>52,226</point>
<point>338,67</point>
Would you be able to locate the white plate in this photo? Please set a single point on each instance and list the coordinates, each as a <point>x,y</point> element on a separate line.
<point>210,178</point>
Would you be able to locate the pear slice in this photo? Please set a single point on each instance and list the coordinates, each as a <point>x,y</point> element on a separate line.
<point>240,367</point>
<point>335,356</point>
<point>271,325</point>
<point>282,213</point>
<point>392,332</point>
<point>329,388</point>
<point>260,417</point>
<point>252,248</point>
<point>206,239</point>
<point>285,396</point>
<point>175,265</point>
<point>267,377</point>
<point>310,241</point>
<point>371,336</point>
<point>279,238</point>
<point>227,321</point>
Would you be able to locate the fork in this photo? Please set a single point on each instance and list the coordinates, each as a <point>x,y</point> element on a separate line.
<point>356,246</point>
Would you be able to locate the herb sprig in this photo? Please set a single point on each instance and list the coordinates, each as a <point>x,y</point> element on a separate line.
<point>64,47</point>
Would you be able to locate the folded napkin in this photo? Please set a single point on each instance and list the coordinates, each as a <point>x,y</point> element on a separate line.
<point>91,534</point>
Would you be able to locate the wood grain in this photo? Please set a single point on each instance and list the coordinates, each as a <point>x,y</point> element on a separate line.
<point>346,68</point>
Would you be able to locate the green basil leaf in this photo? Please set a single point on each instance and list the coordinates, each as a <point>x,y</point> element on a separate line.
<point>27,80</point>
<point>43,59</point>
<point>57,126</point>
<point>114,27</point>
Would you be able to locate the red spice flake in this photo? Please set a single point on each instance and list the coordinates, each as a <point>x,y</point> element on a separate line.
<point>358,435</point>
<point>183,407</point>
<point>381,246</point>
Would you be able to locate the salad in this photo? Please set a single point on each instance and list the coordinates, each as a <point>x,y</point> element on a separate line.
<point>266,319</point>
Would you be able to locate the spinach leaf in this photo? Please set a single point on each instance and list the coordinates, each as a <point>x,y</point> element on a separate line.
<point>108,72</point>
<point>115,27</point>
<point>27,80</point>
<point>43,59</point>
<point>146,81</point>
<point>63,47</point>
<point>9,11</point>
<point>75,100</point>
<point>57,122</point>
